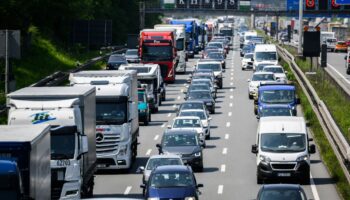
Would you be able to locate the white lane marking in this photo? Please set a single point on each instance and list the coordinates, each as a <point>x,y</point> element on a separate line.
<point>227,136</point>
<point>231,90</point>
<point>185,84</point>
<point>156,137</point>
<point>169,115</point>
<point>341,75</point>
<point>232,70</point>
<point>224,151</point>
<point>229,114</point>
<point>178,97</point>
<point>231,83</point>
<point>228,124</point>
<point>163,125</point>
<point>182,90</point>
<point>149,151</point>
<point>231,104</point>
<point>231,97</point>
<point>220,189</point>
<point>174,105</point>
<point>231,78</point>
<point>231,74</point>
<point>127,190</point>
<point>223,168</point>
<point>313,188</point>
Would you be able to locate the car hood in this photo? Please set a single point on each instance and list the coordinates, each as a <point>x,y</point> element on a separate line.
<point>172,193</point>
<point>204,100</point>
<point>142,106</point>
<point>182,149</point>
<point>131,57</point>
<point>280,75</point>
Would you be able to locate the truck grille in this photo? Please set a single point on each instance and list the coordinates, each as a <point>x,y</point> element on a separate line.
<point>57,182</point>
<point>283,166</point>
<point>107,144</point>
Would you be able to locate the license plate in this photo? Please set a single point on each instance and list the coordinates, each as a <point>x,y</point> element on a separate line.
<point>283,174</point>
<point>100,165</point>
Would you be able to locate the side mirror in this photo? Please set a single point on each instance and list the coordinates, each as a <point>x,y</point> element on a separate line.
<point>143,186</point>
<point>209,119</point>
<point>308,123</point>
<point>286,72</point>
<point>252,59</point>
<point>297,101</point>
<point>255,149</point>
<point>200,185</point>
<point>312,149</point>
<point>255,101</point>
<point>223,70</point>
<point>345,57</point>
<point>84,146</point>
<point>168,126</point>
<point>279,59</point>
<point>140,169</point>
<point>158,146</point>
<point>310,139</point>
<point>184,91</point>
<point>258,117</point>
<point>248,80</point>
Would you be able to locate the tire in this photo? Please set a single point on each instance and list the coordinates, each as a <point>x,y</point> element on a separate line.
<point>164,97</point>
<point>242,69</point>
<point>250,96</point>
<point>145,122</point>
<point>259,181</point>
<point>207,137</point>
<point>149,117</point>
<point>200,168</point>
<point>306,179</point>
<point>88,190</point>
<point>348,70</point>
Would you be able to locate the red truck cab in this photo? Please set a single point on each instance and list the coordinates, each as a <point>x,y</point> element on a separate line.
<point>159,47</point>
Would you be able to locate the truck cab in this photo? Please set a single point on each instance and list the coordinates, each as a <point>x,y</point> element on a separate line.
<point>191,35</point>
<point>265,53</point>
<point>117,125</point>
<point>283,94</point>
<point>282,149</point>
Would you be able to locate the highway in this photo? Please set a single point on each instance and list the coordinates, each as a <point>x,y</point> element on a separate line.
<point>337,62</point>
<point>229,166</point>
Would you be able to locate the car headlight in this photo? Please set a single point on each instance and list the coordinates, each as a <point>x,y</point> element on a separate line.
<point>198,154</point>
<point>190,198</point>
<point>301,158</point>
<point>153,198</point>
<point>142,111</point>
<point>123,150</point>
<point>265,159</point>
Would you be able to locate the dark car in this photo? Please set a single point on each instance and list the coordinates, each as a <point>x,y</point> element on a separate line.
<point>132,56</point>
<point>185,143</point>
<point>115,60</point>
<point>217,56</point>
<point>202,95</point>
<point>190,105</point>
<point>172,182</point>
<point>247,49</point>
<point>281,192</point>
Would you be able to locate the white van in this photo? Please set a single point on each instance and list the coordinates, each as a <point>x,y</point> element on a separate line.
<point>282,149</point>
<point>265,53</point>
<point>248,35</point>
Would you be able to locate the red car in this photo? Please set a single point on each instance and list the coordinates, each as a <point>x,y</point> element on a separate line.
<point>347,42</point>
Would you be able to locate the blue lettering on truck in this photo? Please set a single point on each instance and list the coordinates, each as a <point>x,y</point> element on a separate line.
<point>42,117</point>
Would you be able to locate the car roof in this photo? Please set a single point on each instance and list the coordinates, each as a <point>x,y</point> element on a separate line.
<point>282,124</point>
<point>192,110</point>
<point>165,156</point>
<point>180,131</point>
<point>167,168</point>
<point>273,66</point>
<point>257,73</point>
<point>281,186</point>
<point>276,87</point>
<point>201,79</point>
<point>186,117</point>
<point>192,101</point>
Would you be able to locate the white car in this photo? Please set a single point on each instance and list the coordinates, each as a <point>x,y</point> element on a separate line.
<point>278,71</point>
<point>158,160</point>
<point>204,117</point>
<point>257,79</point>
<point>247,62</point>
<point>189,123</point>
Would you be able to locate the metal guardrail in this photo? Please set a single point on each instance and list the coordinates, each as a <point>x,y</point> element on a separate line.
<point>59,77</point>
<point>335,137</point>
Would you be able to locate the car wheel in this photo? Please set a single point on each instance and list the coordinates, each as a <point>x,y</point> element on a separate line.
<point>259,180</point>
<point>207,137</point>
<point>348,70</point>
<point>164,97</point>
<point>242,69</point>
<point>250,96</point>
<point>149,117</point>
<point>145,122</point>
<point>306,179</point>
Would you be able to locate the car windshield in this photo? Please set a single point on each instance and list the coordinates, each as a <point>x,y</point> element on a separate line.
<point>171,179</point>
<point>113,112</point>
<point>248,56</point>
<point>117,58</point>
<point>199,95</point>
<point>187,123</point>
<point>131,52</point>
<point>206,82</point>
<point>156,53</point>
<point>283,142</point>
<point>62,146</point>
<point>141,97</point>
<point>199,114</point>
<point>282,194</point>
<point>277,96</point>
<point>155,162</point>
<point>187,106</point>
<point>173,140</point>
<point>215,56</point>
<point>267,112</point>
<point>263,77</point>
<point>260,67</point>
<point>260,56</point>
<point>198,87</point>
<point>214,66</point>
<point>278,70</point>
<point>218,45</point>
<point>201,77</point>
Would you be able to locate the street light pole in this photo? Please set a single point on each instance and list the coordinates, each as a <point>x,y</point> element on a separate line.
<point>300,27</point>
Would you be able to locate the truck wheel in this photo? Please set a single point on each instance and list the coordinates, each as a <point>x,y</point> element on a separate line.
<point>348,70</point>
<point>207,137</point>
<point>88,189</point>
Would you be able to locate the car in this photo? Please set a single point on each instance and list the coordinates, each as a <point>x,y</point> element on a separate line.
<point>281,191</point>
<point>203,95</point>
<point>217,56</point>
<point>216,66</point>
<point>269,110</point>
<point>184,143</point>
<point>247,61</point>
<point>341,46</point>
<point>260,67</point>
<point>257,78</point>
<point>347,42</point>
<point>190,105</point>
<point>208,50</point>
<point>189,123</point>
<point>202,75</point>
<point>194,87</point>
<point>347,63</point>
<point>249,48</point>
<point>132,56</point>
<point>278,71</point>
<point>213,88</point>
<point>172,182</point>
<point>218,45</point>
<point>143,107</point>
<point>156,161</point>
<point>203,115</point>
<point>115,60</point>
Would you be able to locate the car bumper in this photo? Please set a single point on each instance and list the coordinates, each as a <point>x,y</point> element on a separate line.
<point>210,107</point>
<point>142,116</point>
<point>193,161</point>
<point>265,171</point>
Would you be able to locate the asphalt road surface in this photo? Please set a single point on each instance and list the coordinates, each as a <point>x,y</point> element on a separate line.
<point>229,166</point>
<point>337,62</point>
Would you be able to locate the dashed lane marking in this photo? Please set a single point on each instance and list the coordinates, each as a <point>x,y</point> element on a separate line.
<point>163,125</point>
<point>178,97</point>
<point>149,151</point>
<point>231,97</point>
<point>229,114</point>
<point>220,189</point>
<point>228,124</point>
<point>156,137</point>
<point>227,136</point>
<point>169,115</point>
<point>223,168</point>
<point>224,151</point>
<point>127,190</point>
<point>313,188</point>
<point>231,104</point>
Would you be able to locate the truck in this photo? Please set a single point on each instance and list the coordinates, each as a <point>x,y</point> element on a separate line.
<point>71,113</point>
<point>283,149</point>
<point>159,47</point>
<point>25,162</point>
<point>150,76</point>
<point>191,35</point>
<point>329,39</point>
<point>117,124</point>
<point>180,37</point>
